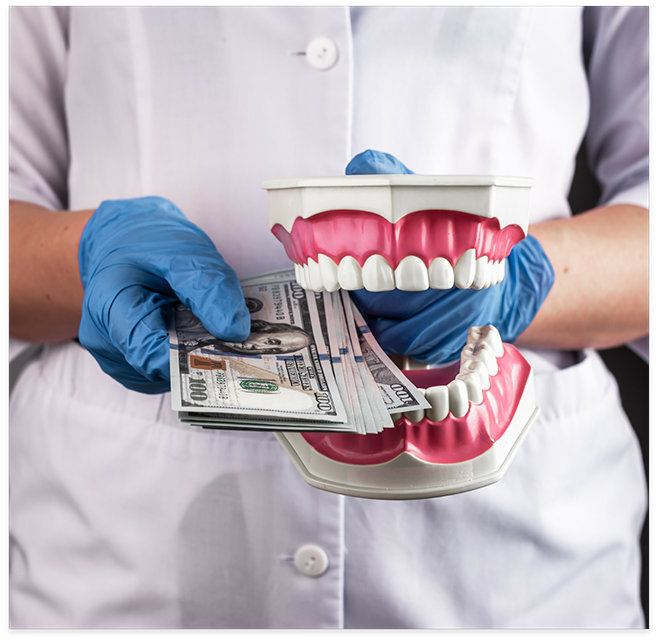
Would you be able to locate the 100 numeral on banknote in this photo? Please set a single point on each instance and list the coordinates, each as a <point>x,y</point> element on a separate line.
<point>280,369</point>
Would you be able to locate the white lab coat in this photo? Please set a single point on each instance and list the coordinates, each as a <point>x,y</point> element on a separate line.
<point>122,517</point>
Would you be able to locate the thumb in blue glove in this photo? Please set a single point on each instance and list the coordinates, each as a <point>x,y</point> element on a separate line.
<point>432,325</point>
<point>136,257</point>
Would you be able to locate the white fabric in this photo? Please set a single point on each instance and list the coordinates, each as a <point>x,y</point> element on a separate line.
<point>121,517</point>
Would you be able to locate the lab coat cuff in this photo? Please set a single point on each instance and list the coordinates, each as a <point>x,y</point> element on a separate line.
<point>638,195</point>
<point>19,191</point>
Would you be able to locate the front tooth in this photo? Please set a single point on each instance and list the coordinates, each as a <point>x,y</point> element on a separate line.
<point>486,334</point>
<point>438,396</point>
<point>483,353</point>
<point>315,277</point>
<point>458,396</point>
<point>411,275</point>
<point>378,274</point>
<point>441,274</point>
<point>480,278</point>
<point>396,417</point>
<point>349,274</point>
<point>329,273</point>
<point>465,269</point>
<point>473,386</point>
<point>476,367</point>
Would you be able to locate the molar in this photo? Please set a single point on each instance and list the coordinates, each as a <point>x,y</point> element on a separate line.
<point>486,334</point>
<point>473,386</point>
<point>377,274</point>
<point>441,274</point>
<point>483,353</point>
<point>349,274</point>
<point>411,275</point>
<point>476,367</point>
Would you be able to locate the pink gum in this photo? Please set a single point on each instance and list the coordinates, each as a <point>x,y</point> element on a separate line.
<point>452,440</point>
<point>426,234</point>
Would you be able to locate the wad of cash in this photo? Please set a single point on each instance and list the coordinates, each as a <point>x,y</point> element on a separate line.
<point>309,364</point>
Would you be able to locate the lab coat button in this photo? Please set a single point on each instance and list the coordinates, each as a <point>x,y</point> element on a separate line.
<point>322,53</point>
<point>311,560</point>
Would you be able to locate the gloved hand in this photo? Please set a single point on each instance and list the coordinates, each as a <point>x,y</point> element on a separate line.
<point>432,325</point>
<point>137,256</point>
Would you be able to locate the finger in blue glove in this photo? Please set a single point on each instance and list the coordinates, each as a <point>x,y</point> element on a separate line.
<point>136,257</point>
<point>432,325</point>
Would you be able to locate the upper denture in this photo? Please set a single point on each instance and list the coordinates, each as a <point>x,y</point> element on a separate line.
<point>426,234</point>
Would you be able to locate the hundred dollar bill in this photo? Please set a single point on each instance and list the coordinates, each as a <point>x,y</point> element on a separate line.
<point>397,392</point>
<point>281,371</point>
<point>378,410</point>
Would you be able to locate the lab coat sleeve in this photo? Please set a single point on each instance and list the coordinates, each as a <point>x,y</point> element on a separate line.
<point>38,150</point>
<point>616,45</point>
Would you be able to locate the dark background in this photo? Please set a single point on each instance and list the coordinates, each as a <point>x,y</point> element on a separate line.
<point>631,371</point>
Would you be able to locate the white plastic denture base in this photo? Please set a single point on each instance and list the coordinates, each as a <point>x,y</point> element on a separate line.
<point>407,477</point>
<point>394,196</point>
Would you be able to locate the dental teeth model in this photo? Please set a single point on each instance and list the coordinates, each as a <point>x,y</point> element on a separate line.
<point>407,232</point>
<point>478,362</point>
<point>413,233</point>
<point>411,273</point>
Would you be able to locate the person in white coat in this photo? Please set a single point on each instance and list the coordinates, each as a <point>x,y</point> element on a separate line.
<point>122,517</point>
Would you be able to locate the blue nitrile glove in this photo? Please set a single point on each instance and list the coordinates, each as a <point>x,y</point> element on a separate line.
<point>136,257</point>
<point>432,325</point>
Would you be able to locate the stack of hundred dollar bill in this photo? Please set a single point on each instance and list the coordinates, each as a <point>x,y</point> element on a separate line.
<point>309,364</point>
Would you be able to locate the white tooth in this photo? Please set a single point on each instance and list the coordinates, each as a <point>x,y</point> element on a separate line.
<point>501,270</point>
<point>349,274</point>
<point>483,353</point>
<point>301,278</point>
<point>378,274</point>
<point>473,386</point>
<point>411,275</point>
<point>417,415</point>
<point>489,275</point>
<point>329,272</point>
<point>458,396</point>
<point>486,334</point>
<point>494,272</point>
<point>298,274</point>
<point>476,367</point>
<point>396,417</point>
<point>315,277</point>
<point>307,277</point>
<point>441,274</point>
<point>465,269</point>
<point>480,278</point>
<point>439,398</point>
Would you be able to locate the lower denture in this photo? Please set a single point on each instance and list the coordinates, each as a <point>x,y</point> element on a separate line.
<point>451,440</point>
<point>427,234</point>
